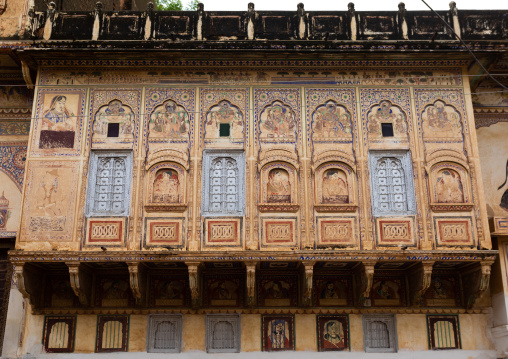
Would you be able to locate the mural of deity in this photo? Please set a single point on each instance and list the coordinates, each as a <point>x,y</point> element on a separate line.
<point>449,187</point>
<point>385,112</point>
<point>227,114</point>
<point>169,121</point>
<point>333,335</point>
<point>278,336</point>
<point>58,124</point>
<point>331,122</point>
<point>278,188</point>
<point>441,120</point>
<point>278,122</point>
<point>114,112</point>
<point>334,188</point>
<point>166,186</point>
<point>504,197</point>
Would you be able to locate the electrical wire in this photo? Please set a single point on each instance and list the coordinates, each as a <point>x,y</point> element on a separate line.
<point>467,47</point>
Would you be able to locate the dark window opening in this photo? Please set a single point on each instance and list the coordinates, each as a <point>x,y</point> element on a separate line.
<point>224,130</point>
<point>387,129</point>
<point>113,129</point>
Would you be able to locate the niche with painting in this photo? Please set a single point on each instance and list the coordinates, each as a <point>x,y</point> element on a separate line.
<point>334,188</point>
<point>278,188</point>
<point>449,183</point>
<point>114,125</point>
<point>166,188</point>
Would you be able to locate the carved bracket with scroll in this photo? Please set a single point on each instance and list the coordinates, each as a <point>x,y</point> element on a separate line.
<point>81,282</point>
<point>307,282</point>
<point>365,278</point>
<point>137,280</point>
<point>478,280</point>
<point>251,283</point>
<point>194,283</point>
<point>419,283</point>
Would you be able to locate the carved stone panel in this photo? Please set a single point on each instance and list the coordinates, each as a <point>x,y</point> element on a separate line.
<point>108,231</point>
<point>279,232</point>
<point>164,232</point>
<point>109,184</point>
<point>334,231</point>
<point>395,231</point>
<point>391,176</point>
<point>223,232</point>
<point>454,231</point>
<point>223,183</point>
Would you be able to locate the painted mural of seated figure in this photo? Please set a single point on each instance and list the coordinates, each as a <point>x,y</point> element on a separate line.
<point>166,187</point>
<point>449,187</point>
<point>331,121</point>
<point>171,122</point>
<point>279,188</point>
<point>334,187</point>
<point>278,121</point>
<point>57,130</point>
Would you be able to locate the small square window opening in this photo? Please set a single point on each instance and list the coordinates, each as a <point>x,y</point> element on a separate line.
<point>113,129</point>
<point>387,129</point>
<point>224,129</point>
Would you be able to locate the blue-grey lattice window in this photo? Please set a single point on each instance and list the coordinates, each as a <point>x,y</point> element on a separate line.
<point>379,335</point>
<point>223,183</point>
<point>164,333</point>
<point>109,183</point>
<point>392,183</point>
<point>223,333</point>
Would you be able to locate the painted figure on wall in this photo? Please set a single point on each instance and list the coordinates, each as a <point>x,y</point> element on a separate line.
<point>61,293</point>
<point>278,188</point>
<point>115,293</point>
<point>224,121</point>
<point>334,188</point>
<point>333,335</point>
<point>169,292</point>
<point>441,120</point>
<point>278,122</point>
<point>278,338</point>
<point>4,211</point>
<point>169,120</point>
<point>166,186</point>
<point>449,187</point>
<point>331,121</point>
<point>114,113</point>
<point>331,292</point>
<point>386,292</point>
<point>386,113</point>
<point>441,292</point>
<point>223,292</point>
<point>504,197</point>
<point>48,192</point>
<point>58,124</point>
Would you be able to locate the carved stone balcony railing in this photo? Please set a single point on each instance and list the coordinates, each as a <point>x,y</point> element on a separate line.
<point>321,28</point>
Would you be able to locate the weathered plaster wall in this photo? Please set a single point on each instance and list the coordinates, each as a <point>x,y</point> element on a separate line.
<point>11,19</point>
<point>493,149</point>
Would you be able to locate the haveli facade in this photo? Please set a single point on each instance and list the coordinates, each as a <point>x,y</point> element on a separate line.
<point>253,181</point>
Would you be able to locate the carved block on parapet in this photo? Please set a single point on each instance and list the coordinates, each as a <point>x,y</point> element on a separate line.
<point>164,232</point>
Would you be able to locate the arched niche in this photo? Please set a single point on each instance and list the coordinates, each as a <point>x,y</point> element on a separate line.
<point>169,122</point>
<point>278,188</point>
<point>335,188</point>
<point>224,125</point>
<point>278,123</point>
<point>331,122</point>
<point>449,188</point>
<point>440,120</point>
<point>166,188</point>
<point>113,126</point>
<point>387,122</point>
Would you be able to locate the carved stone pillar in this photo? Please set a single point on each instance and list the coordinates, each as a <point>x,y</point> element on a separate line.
<point>137,280</point>
<point>194,283</point>
<point>307,282</point>
<point>251,283</point>
<point>81,282</point>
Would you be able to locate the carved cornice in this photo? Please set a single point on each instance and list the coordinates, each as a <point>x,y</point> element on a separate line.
<point>167,155</point>
<point>166,208</point>
<point>327,208</point>
<point>18,257</point>
<point>451,207</point>
<point>280,207</point>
